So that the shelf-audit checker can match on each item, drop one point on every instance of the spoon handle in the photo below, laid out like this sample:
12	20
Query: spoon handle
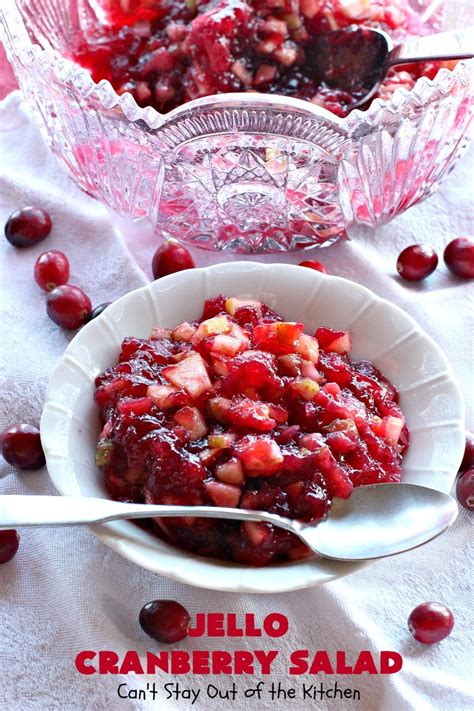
454	44
17	510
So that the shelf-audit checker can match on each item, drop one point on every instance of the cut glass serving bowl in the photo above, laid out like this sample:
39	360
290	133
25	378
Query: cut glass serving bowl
246	172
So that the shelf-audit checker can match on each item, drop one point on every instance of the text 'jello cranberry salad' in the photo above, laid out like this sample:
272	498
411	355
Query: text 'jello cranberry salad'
168	52
243	409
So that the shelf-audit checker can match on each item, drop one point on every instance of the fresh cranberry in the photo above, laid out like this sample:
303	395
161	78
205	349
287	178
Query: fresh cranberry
459	257
21	447
417	262
165	620
318	266
465	489
27	227
169	258
51	270
430	622
9	543
98	310
68	306
468	458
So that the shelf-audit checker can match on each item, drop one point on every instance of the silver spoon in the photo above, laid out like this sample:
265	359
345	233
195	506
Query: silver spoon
376	521
356	59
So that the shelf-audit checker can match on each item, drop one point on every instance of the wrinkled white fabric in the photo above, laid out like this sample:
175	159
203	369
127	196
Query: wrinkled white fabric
66	591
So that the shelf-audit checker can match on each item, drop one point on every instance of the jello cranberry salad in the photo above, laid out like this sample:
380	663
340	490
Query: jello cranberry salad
244	409
168	52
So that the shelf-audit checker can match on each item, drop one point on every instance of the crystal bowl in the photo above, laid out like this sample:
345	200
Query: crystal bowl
243	172
381	332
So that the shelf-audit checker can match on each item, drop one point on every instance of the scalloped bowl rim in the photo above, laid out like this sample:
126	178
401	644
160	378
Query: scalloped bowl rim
142	547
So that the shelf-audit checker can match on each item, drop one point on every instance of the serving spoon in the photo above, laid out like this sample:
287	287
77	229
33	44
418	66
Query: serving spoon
356	59
376	521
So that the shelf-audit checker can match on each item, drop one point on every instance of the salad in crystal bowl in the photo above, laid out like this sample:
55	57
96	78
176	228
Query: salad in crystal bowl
208	117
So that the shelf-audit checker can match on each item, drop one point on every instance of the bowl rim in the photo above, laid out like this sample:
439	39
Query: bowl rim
192	569
423	91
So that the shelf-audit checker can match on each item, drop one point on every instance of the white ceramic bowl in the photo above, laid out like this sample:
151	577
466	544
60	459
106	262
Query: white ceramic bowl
382	333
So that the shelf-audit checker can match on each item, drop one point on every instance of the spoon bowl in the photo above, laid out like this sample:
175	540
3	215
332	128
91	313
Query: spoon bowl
376	521
353	60
356	59
381	520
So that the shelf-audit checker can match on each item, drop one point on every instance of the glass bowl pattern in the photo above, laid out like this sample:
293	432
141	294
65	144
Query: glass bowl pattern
243	172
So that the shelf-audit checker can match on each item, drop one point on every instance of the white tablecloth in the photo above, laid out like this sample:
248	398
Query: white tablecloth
65	591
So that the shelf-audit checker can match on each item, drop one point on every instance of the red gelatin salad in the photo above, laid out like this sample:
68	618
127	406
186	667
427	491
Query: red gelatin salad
243	409
169	52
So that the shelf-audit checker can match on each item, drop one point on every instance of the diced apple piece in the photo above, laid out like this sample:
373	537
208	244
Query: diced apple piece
355	9
356	409
288	434
251	414
178	357
223	494
348	425
259	455
224	440
208	456
300	552
305	388
189	374
290	364
312	441
219	407
158	333
279	337
163	395
184	332
335	341
274	25
220	364
339	407
278	413
256	532
239	70
232	305
310	8
231	472
211	327
390	428
341	442
338	482
332	389
108	427
341	345
240	333
192	420
256	356
135	406
264	75
309	370
228	345
308	347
